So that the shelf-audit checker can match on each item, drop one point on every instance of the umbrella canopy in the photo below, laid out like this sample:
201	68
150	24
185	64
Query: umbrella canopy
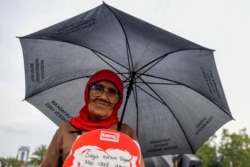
174	97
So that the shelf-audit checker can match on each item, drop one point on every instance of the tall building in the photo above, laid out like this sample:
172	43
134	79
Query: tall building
23	153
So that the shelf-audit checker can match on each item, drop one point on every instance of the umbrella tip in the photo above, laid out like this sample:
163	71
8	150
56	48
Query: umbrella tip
104	3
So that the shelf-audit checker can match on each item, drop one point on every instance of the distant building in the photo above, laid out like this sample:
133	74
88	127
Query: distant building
23	153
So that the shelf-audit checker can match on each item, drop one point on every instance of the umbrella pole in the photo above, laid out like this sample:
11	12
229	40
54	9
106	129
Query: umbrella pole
130	87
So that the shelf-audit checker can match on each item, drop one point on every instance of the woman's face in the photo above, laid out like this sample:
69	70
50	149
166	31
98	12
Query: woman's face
103	97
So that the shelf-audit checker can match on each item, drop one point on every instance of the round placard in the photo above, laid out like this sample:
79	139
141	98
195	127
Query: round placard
104	148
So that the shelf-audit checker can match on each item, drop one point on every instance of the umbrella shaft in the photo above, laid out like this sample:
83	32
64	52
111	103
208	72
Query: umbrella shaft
130	87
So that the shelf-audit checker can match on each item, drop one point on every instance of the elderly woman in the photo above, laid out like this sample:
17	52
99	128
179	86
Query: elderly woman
103	97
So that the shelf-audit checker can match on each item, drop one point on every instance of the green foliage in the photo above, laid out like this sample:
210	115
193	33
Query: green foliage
232	150
35	159
11	161
37	155
208	154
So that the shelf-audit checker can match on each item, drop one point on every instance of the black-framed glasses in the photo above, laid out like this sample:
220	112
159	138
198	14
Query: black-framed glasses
97	90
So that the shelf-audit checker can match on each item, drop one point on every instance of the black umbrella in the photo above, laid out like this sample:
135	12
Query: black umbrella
175	100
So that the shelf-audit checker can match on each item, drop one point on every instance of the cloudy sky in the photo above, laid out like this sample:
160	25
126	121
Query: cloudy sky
221	25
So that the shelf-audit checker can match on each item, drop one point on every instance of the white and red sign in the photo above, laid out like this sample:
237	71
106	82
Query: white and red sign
104	148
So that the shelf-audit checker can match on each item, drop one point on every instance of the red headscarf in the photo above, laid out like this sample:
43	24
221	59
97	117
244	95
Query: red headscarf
86	121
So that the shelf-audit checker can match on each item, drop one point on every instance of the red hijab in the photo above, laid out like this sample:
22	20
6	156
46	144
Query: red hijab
85	120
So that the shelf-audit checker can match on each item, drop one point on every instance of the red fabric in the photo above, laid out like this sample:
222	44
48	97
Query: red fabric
86	121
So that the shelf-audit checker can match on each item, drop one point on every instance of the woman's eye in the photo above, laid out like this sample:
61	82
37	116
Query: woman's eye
112	91
99	88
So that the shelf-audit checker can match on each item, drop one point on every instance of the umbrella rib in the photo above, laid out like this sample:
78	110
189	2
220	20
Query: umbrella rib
87	76
157	60
130	66
130	60
98	55
163	102
38	92
178	83
95	52
160	99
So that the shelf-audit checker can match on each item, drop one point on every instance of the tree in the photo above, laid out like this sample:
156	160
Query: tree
233	150
208	153
11	161
38	154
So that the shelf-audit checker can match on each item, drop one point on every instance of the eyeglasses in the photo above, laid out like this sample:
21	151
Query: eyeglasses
98	90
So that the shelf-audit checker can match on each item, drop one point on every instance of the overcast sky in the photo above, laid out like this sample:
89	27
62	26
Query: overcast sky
222	25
